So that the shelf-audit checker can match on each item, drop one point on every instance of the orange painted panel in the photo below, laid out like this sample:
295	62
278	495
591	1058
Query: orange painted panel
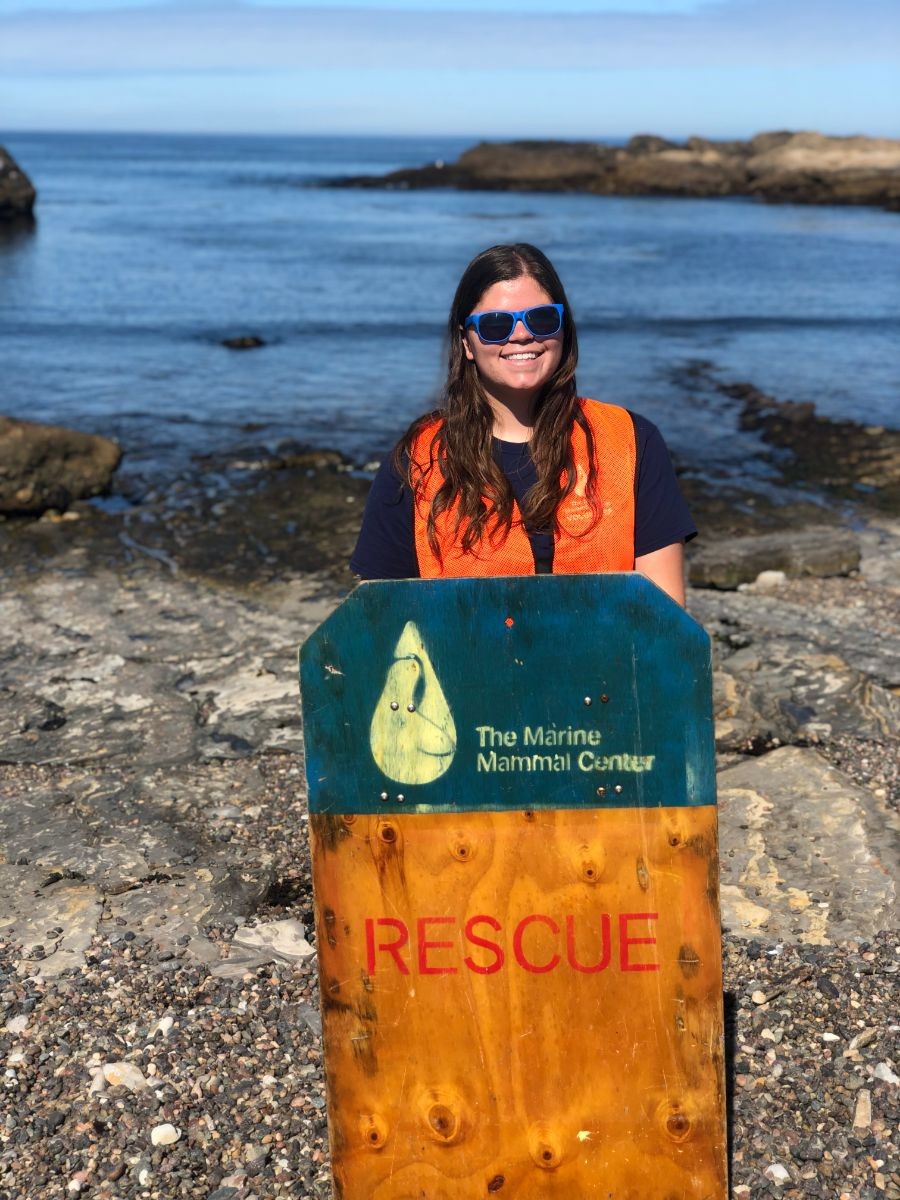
521	1004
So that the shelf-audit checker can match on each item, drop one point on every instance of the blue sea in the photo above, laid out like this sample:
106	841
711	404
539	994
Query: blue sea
149	250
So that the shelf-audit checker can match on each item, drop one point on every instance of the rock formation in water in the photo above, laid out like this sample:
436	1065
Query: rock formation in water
803	168
17	193
48	466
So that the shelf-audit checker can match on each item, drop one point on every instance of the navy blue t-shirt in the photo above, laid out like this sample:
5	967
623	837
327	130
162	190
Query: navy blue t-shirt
386	546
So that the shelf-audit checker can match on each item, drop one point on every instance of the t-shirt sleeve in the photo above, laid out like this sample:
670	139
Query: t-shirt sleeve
661	516
386	546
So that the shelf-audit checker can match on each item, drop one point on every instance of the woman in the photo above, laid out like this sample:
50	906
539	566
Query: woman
515	474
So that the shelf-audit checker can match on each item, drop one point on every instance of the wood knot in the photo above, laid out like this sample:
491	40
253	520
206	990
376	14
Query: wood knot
643	875
349	818
441	1109
543	1153
589	862
373	1130
676	1122
678	1126
461	848
528	815
443	1122
496	1183
689	961
547	1158
388	834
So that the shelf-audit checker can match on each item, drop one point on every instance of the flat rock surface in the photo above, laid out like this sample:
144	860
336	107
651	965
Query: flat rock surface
820	550
805	854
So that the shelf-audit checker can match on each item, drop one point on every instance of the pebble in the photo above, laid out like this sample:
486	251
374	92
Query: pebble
862	1116
886	1075
164	1135
164	1026
778	1174
17	1024
768	581
242	1061
124	1074
862	1039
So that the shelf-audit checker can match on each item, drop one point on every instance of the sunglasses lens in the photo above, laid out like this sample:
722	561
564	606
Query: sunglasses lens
495	326
544	321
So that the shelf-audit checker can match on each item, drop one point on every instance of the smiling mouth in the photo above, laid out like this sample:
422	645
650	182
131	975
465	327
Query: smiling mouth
525	356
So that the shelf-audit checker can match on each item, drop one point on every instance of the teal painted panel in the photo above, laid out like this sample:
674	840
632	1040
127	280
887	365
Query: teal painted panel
555	691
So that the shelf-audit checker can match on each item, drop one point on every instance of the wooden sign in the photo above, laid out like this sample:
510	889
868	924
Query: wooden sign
512	808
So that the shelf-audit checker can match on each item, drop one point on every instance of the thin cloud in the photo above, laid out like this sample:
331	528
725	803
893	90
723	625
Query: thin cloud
240	37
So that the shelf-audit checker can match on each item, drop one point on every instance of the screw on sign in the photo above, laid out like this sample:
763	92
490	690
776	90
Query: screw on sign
514	844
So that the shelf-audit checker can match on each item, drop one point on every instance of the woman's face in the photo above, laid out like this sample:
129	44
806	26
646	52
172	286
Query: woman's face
523	364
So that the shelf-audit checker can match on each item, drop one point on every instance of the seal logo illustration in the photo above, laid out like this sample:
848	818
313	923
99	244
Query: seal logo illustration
412	735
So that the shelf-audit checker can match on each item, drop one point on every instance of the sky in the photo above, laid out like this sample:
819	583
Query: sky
499	68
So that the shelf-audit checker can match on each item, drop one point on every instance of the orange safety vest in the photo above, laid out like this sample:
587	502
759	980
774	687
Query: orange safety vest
580	546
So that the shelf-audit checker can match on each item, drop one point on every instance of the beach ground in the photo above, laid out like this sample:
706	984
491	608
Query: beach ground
154	815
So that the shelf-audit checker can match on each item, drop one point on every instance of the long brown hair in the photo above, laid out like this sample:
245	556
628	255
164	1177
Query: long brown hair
461	445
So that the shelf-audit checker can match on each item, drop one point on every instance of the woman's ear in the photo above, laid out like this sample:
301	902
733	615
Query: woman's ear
467	349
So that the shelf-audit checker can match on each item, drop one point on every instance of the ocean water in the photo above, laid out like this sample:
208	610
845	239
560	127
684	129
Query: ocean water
149	250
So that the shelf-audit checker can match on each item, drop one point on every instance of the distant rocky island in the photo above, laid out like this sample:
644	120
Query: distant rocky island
17	193
798	168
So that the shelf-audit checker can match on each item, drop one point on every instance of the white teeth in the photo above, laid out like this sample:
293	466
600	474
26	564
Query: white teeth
520	357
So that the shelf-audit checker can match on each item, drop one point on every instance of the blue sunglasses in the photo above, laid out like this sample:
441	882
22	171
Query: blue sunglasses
495	328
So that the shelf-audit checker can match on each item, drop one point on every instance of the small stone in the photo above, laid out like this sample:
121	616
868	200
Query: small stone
164	1135
830	1037
769	581
862	1039
276	939
235	1180
778	1174
862	1117
17	1024
758	997
884	1073
164	1026
124	1074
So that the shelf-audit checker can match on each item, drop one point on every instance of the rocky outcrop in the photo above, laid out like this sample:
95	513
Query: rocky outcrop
134	746
820	550
803	856
806	168
17	193
48	466
849	460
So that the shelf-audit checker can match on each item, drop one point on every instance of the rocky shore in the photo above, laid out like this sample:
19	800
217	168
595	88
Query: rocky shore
158	999
799	168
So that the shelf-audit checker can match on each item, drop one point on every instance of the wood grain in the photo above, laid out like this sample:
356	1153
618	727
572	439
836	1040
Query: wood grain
542	1050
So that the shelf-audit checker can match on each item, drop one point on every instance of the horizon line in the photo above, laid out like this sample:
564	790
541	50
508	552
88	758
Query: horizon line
477	137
